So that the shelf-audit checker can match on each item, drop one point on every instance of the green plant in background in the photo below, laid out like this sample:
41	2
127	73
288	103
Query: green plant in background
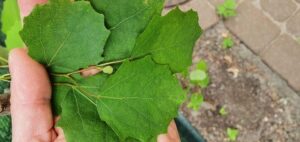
11	24
232	134
227	9
5	121
223	111
5	129
227	42
196	101
199	76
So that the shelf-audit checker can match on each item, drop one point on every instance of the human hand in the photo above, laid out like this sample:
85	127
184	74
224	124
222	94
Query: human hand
32	119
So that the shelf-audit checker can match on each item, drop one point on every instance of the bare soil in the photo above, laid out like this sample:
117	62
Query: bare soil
259	103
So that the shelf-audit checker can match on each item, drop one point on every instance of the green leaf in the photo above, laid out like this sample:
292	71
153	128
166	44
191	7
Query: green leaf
4	72
108	69
63	85
223	111
126	20
3	56
5	129
61	39
232	134
204	83
196	101
202	65
227	42
136	96
58	96
227	9
127	105
11	24
198	75
170	39
80	121
4	83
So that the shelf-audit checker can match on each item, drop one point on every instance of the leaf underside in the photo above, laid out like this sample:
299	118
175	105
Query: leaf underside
144	49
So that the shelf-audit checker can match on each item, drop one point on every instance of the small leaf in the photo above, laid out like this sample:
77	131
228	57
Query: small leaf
198	75
223	111
108	69
196	101
202	65
227	42
204	83
232	134
227	9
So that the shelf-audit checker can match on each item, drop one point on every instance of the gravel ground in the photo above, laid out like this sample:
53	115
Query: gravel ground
259	103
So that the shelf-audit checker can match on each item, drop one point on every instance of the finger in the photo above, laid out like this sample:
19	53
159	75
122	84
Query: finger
60	135
59	131
26	6
171	136
173	132
163	138
30	99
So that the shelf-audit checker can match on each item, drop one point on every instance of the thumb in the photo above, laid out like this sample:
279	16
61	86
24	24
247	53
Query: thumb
30	99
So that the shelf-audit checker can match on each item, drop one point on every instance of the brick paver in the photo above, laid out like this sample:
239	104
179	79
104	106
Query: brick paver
267	27
283	56
173	2
216	2
253	27
206	12
293	25
280	10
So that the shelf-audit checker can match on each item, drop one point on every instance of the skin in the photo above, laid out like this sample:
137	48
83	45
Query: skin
32	119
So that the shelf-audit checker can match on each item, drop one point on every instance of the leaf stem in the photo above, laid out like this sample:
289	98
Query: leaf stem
99	67
3	59
113	62
5	77
3	66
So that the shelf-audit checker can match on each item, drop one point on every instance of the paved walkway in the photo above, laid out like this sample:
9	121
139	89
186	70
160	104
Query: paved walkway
270	28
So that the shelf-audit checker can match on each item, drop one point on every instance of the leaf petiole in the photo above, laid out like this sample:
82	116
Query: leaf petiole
3	66
3	59
113	62
5	77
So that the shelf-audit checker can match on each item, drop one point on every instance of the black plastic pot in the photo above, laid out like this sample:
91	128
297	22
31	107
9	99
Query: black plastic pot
186	131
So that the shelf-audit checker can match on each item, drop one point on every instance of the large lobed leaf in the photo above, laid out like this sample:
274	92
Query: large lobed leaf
57	35
128	104
126	19
170	39
132	100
